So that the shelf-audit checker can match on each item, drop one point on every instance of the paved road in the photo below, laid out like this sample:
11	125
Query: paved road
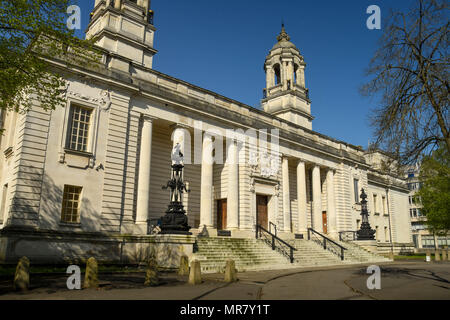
399	280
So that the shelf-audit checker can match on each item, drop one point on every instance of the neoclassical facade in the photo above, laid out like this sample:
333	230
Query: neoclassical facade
87	178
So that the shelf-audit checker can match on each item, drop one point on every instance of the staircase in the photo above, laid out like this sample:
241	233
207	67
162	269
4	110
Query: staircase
256	255
310	254
248	254
357	254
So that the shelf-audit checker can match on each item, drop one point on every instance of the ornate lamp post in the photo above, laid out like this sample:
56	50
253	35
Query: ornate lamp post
175	221
365	232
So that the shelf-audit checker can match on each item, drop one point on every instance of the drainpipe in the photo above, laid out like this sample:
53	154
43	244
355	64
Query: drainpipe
389	215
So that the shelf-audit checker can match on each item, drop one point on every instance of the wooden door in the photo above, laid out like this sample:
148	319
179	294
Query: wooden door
221	214
325	222
261	213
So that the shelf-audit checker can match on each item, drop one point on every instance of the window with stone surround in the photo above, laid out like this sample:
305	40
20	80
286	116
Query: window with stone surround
70	212
79	126
375	204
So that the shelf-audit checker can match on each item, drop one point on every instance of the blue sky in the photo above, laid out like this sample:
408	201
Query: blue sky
221	46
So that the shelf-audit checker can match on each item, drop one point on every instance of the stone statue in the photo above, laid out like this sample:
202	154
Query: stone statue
177	156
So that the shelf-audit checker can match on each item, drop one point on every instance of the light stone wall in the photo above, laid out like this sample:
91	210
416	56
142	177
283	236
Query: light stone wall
109	193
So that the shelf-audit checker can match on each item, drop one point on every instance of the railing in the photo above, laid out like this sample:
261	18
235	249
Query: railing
275	242
326	243
347	236
274	226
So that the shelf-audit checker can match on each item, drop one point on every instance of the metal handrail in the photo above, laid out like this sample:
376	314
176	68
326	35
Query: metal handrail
349	235
274	226
260	232
323	241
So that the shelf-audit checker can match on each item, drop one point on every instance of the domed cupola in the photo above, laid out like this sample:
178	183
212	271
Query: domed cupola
286	95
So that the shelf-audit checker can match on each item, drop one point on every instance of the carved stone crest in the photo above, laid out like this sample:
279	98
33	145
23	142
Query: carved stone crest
264	164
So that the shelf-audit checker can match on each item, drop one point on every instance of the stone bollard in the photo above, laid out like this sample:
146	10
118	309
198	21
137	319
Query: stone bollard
152	276
183	270
195	274
22	276
230	271
437	256
428	257
91	275
444	254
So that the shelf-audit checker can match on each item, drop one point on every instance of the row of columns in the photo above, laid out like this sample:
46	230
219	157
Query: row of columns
317	219
206	191
206	197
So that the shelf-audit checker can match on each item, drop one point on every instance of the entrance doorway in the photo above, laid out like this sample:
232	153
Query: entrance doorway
221	214
324	222
261	211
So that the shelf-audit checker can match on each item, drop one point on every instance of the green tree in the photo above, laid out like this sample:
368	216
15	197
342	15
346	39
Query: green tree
435	191
409	73
31	33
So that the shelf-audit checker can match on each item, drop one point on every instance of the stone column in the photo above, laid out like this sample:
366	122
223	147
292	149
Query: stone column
143	192
317	200
301	198
118	4
206	205
268	78
286	196
233	187
332	223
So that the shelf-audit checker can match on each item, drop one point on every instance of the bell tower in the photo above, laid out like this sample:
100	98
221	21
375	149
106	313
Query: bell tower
124	27
285	94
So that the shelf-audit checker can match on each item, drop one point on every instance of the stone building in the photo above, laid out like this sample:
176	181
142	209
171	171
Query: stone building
86	179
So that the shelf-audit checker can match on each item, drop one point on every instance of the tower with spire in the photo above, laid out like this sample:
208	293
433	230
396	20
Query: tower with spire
125	28
285	94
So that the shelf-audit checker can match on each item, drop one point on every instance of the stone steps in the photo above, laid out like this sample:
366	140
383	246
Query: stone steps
255	255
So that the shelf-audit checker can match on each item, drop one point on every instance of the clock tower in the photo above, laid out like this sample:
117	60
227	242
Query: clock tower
125	28
285	94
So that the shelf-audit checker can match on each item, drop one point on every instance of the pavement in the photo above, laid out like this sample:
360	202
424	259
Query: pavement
405	280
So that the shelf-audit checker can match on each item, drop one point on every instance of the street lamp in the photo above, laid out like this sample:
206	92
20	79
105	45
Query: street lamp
175	221
365	232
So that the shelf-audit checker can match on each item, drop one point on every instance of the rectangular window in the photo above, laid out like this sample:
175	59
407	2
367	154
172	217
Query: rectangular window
78	134
375	205
386	235
70	212
383	199
356	190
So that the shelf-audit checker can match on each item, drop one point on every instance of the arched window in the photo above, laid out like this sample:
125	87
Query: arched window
276	69
295	73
